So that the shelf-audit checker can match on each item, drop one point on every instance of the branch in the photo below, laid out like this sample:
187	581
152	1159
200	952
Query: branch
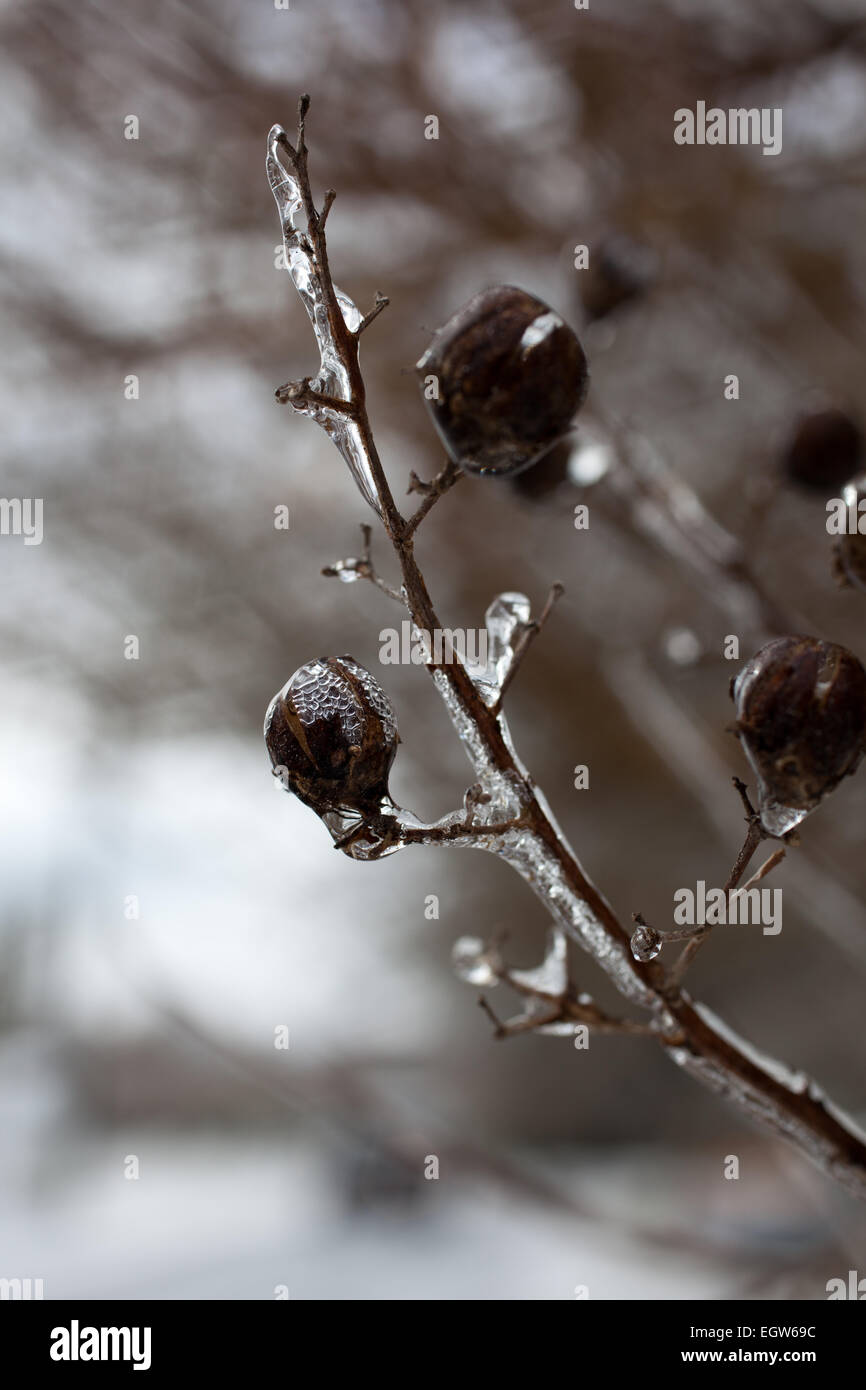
444	480
362	568
666	512
789	1106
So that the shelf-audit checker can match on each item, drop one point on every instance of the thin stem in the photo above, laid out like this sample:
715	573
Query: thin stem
382	302
767	867
525	640
755	834
301	394
364	568
444	480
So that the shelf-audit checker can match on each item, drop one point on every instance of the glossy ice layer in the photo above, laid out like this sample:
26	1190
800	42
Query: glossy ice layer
332	379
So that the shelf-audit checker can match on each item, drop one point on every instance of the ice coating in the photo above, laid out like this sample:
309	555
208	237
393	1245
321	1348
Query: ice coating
471	963
779	819
551	976
536	862
764	1107
505	621
318	694
375	694
332	378
646	943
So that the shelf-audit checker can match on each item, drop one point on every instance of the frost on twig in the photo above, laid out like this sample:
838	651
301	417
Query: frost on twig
551	1004
327	398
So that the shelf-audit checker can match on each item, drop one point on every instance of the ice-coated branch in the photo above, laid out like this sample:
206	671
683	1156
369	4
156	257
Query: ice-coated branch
505	813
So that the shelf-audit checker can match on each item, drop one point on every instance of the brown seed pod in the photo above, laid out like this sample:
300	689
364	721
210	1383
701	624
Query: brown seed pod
510	376
825	451
801	718
332	735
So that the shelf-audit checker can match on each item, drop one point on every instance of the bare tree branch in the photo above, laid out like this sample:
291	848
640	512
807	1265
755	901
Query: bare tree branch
519	827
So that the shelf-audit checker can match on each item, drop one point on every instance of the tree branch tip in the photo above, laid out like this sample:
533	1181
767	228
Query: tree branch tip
285	143
417	484
382	302
499	1031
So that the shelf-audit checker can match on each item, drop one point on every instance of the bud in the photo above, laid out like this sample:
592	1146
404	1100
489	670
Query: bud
825	451
801	718
333	730
849	561
512	376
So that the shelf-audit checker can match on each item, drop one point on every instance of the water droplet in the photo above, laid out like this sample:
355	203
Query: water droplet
778	819
645	943
471	962
346	571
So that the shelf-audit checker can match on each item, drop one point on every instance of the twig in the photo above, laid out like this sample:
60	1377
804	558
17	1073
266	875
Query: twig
382	302
665	510
363	567
755	834
525	640
767	867
444	480
301	394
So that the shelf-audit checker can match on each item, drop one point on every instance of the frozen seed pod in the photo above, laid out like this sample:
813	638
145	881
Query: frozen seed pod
332	734
646	942
503	379
825	451
801	718
850	549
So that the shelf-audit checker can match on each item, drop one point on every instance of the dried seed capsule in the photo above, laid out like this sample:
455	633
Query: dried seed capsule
332	734
801	718
825	451
509	378
849	561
